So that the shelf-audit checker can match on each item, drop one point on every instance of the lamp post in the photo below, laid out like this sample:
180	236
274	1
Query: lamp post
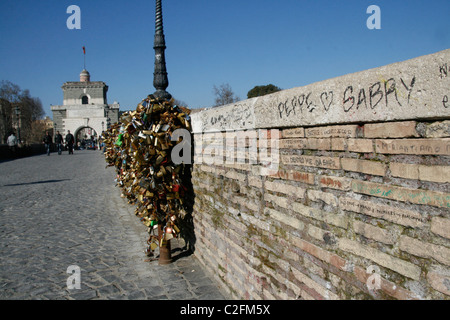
160	80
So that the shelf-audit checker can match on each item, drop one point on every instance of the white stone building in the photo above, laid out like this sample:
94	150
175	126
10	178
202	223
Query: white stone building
85	109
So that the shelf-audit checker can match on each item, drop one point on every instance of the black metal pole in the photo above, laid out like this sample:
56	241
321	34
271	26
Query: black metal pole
160	80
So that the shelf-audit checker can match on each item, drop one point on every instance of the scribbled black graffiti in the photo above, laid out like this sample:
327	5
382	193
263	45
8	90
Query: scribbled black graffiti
309	104
411	86
443	71
361	98
327	99
286	109
239	114
445	101
390	89
373	94
296	105
387	89
348	99
291	106
386	92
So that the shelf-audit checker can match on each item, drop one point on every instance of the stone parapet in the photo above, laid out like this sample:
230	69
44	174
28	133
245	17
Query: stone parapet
413	89
355	203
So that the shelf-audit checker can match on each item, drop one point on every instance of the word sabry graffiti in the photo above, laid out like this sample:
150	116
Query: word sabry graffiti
386	93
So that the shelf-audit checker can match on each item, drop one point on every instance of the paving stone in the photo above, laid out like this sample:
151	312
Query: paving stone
52	218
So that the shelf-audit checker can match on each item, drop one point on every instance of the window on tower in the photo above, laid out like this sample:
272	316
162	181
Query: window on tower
84	100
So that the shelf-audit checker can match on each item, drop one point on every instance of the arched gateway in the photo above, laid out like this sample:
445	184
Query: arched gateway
85	135
84	106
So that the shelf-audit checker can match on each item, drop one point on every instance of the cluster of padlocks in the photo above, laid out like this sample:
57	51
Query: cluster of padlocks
140	147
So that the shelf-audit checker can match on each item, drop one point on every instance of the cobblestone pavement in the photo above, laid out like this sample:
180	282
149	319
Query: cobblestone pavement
59	211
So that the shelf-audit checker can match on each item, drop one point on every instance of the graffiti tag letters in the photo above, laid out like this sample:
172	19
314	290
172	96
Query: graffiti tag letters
387	93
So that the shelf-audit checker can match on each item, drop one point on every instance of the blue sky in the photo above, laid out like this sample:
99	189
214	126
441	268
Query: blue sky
244	43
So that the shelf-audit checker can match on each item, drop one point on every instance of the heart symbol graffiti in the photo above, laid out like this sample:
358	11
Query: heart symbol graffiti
327	99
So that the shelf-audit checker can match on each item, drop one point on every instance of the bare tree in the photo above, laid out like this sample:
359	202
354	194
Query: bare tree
224	95
5	119
180	103
29	108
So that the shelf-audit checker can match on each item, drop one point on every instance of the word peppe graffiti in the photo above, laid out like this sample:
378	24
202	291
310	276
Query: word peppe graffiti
387	91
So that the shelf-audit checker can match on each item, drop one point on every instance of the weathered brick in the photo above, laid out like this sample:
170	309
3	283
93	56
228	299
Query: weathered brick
372	232
327	294
420	172
248	203
231	174
206	168
389	213
360	145
279	201
387	286
338	144
438	129
317	233
413	146
439	279
311	161
332	218
363	166
326	197
344	131
284	218
425	249
294	175
319	253
255	181
427	197
269	134
391	130
441	226
340	183
277	186
291	133
306	143
258	170
263	225
238	166
268	296
434	173
401	266
403	170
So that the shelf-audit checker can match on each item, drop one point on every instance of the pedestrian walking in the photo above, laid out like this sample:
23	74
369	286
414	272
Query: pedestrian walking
70	140
48	142
12	144
58	141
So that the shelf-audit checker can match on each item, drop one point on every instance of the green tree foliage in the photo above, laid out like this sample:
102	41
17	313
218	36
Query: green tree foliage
258	91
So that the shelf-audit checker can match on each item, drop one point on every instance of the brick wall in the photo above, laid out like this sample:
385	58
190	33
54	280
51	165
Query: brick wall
355	210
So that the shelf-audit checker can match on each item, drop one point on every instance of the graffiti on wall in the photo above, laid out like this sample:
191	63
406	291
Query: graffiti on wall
386	93
241	115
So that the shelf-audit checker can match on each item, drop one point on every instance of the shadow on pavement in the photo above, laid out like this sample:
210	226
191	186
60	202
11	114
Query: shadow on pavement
35	182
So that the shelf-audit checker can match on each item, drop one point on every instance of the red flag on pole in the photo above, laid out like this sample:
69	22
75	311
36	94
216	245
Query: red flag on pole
84	50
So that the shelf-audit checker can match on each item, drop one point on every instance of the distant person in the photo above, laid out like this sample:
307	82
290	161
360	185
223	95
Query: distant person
70	140
48	142
58	141
12	144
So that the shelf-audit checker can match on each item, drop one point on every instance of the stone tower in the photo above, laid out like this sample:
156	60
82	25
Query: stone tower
85	106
